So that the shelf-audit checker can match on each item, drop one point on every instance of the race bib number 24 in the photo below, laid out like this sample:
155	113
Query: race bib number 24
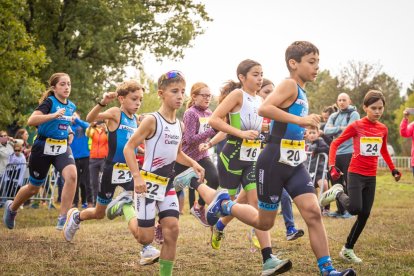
370	146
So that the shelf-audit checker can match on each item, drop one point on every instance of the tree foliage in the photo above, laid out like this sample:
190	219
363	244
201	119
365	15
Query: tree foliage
323	92
20	61
92	40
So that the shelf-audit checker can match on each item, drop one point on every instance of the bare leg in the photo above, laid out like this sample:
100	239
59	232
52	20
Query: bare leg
69	188
24	194
97	212
309	209
170	232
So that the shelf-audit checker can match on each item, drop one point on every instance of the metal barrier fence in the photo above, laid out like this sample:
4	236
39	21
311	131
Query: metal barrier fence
320	157
401	162
17	175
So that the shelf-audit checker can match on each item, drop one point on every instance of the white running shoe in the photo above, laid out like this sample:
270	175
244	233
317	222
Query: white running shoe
330	195
149	255
70	227
349	255
183	180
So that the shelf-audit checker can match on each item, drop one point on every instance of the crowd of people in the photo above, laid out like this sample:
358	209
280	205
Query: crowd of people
266	136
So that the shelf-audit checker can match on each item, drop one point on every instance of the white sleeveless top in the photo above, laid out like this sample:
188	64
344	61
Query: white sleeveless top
247	118
161	149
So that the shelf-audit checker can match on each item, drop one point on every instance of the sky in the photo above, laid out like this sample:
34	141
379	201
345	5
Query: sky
374	32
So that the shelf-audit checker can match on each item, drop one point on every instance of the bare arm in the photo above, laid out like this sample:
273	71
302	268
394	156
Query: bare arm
38	118
95	113
283	96
146	129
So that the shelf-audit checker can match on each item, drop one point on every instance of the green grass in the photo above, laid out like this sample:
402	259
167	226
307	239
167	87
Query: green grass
106	247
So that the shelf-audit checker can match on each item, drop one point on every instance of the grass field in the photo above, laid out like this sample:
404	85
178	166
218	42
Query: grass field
105	247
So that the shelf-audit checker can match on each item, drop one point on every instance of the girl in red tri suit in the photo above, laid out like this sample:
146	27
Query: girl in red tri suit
370	140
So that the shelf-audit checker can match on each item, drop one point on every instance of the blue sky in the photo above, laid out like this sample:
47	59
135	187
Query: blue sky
369	31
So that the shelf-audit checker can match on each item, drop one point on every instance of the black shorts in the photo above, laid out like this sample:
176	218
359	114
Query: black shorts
39	163
232	171
272	176
107	188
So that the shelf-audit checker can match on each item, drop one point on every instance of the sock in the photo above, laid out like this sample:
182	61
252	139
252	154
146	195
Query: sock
76	217
194	183
266	253
129	212
226	207
219	225
325	264
166	267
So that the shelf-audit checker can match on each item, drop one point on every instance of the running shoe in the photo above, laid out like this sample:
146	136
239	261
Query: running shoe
346	272
199	213
330	195
9	216
216	237
349	255
292	233
214	210
253	238
72	224
274	266
60	223
149	255
183	180
158	237
114	208
346	215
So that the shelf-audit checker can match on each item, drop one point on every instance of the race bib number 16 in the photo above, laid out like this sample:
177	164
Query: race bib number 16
292	152
370	146
250	150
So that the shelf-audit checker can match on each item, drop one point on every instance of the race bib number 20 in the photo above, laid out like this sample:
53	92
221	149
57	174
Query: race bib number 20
292	152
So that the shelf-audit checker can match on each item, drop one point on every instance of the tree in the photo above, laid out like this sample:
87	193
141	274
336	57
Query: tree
323	92
94	40
20	61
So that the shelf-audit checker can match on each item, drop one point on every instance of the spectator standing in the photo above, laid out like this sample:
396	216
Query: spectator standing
6	149
407	131
80	151
336	124
22	136
97	133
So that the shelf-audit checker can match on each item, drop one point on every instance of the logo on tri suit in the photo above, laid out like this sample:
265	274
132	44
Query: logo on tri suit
173	204
274	198
108	195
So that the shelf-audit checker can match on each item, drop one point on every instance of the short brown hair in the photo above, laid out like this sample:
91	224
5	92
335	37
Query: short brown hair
297	50
127	87
170	77
373	96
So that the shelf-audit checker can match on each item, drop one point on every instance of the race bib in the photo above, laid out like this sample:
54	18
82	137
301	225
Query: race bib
250	150
55	147
121	174
370	146
156	185
204	126
292	152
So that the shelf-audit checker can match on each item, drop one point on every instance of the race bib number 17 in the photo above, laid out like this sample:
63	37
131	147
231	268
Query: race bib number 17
156	185
292	152
55	147
370	146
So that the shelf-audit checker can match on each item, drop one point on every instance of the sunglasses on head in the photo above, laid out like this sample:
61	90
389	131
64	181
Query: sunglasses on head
172	75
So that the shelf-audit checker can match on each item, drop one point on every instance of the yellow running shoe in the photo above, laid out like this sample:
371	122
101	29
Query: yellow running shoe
216	237
253	239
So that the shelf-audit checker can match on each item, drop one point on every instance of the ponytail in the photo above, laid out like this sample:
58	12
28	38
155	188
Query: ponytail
227	88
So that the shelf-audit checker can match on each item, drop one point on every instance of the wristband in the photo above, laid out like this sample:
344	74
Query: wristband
71	133
100	104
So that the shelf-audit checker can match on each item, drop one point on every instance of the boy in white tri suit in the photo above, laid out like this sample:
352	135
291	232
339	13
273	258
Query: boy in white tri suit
161	132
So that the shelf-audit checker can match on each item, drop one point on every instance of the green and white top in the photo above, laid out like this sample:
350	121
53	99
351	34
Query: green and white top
247	118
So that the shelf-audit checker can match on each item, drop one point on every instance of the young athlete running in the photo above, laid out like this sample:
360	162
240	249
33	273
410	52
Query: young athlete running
237	116
369	140
197	132
280	163
121	122
52	118
162	134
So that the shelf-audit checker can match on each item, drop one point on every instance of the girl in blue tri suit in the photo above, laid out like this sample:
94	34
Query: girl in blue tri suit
52	118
